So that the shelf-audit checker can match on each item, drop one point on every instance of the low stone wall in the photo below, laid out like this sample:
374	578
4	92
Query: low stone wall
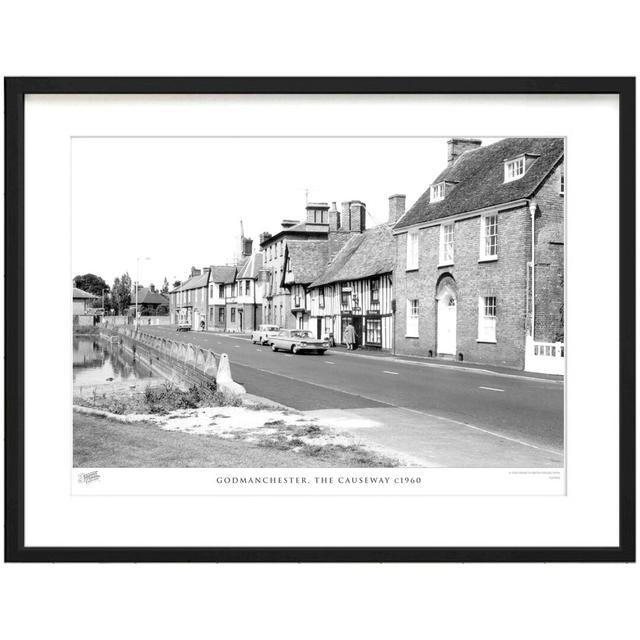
190	362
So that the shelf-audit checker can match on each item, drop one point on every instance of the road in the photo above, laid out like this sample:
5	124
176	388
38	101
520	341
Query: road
516	407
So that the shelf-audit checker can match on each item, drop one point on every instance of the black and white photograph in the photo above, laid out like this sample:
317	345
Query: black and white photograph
318	301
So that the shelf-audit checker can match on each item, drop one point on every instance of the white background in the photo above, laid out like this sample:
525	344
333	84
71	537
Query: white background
319	601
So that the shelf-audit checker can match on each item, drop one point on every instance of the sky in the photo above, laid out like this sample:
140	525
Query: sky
179	201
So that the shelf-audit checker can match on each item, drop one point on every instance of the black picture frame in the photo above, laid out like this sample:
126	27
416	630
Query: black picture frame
15	91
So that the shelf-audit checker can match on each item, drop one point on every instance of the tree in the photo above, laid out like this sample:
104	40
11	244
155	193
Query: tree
96	285
91	283
165	287
121	293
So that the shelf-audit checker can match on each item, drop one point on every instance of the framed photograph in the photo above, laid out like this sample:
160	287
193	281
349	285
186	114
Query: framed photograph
320	319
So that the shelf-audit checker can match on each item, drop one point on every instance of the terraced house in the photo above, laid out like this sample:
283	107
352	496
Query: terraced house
276	296
480	257
356	285
220	277
249	293
189	300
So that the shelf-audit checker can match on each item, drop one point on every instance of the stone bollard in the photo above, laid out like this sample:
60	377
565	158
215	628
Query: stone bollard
225	382
210	367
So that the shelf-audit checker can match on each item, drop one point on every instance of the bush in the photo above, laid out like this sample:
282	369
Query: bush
169	397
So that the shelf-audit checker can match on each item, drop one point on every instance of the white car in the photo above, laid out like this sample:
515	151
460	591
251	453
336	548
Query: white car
298	341
265	333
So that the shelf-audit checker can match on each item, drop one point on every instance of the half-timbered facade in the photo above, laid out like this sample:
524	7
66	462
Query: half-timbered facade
357	288
276	301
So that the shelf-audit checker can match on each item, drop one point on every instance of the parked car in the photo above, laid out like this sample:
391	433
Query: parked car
265	333
298	340
184	326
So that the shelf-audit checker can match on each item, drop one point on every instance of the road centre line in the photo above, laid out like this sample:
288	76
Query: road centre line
328	362
422	413
426	364
491	389
392	373
439	365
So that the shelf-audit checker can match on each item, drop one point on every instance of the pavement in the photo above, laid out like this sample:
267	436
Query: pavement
429	412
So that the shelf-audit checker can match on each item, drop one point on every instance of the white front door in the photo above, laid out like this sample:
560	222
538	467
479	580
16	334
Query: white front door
447	323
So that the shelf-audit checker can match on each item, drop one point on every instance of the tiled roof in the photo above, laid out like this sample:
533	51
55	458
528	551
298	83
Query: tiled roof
250	267
223	274
146	296
79	294
300	228
195	282
307	258
479	175
365	254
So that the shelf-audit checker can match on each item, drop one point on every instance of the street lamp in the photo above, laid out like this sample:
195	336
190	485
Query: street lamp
137	283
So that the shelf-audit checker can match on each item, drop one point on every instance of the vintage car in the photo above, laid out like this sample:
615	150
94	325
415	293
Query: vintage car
184	326
298	340
264	333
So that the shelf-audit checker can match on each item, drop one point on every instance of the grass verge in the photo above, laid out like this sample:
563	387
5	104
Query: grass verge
103	442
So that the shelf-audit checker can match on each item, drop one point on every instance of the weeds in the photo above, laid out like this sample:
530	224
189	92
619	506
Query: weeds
351	455
161	399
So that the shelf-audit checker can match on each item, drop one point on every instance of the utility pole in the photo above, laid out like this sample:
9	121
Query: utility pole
137	283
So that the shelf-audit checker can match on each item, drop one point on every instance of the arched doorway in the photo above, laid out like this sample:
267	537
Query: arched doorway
447	299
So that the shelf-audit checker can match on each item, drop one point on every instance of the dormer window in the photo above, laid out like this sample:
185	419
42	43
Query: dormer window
437	192
514	169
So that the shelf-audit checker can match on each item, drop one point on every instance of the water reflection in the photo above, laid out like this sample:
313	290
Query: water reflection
95	362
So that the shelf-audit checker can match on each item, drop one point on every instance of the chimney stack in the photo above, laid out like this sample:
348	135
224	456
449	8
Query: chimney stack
457	146
358	216
334	217
195	272
397	203
247	247
264	236
345	218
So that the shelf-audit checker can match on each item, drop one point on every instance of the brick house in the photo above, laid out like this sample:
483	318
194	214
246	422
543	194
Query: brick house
219	277
356	285
82	300
235	298
249	294
189	301
150	302
276	302
463	278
